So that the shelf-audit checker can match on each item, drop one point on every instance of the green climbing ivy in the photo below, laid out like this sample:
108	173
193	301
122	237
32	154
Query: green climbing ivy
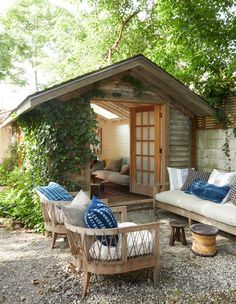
57	140
135	83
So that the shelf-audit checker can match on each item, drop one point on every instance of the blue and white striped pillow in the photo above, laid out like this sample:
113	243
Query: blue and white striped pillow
208	191
99	215
54	192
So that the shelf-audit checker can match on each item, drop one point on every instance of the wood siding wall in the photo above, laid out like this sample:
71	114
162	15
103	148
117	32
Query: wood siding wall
5	141
180	139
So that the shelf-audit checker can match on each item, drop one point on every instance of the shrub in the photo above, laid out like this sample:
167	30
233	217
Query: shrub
8	164
19	201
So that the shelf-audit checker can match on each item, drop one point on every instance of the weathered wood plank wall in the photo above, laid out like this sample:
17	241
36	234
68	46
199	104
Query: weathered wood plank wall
180	142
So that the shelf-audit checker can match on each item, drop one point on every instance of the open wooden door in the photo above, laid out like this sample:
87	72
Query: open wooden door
148	148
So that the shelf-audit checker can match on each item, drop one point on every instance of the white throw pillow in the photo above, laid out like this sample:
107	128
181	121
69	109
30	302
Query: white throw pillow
177	177
221	179
74	213
81	200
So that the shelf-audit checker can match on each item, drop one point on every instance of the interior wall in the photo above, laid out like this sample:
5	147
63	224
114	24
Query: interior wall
115	139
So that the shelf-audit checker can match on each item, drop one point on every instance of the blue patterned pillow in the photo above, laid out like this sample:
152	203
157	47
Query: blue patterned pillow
207	191
99	215
54	192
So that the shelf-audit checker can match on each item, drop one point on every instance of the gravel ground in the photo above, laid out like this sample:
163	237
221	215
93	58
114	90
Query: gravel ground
32	273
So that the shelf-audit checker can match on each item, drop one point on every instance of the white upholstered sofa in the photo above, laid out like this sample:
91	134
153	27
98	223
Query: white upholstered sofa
222	216
200	206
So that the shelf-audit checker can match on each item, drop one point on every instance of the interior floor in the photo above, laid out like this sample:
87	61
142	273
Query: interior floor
118	195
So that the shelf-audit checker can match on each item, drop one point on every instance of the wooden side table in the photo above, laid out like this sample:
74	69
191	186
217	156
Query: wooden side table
204	240
177	232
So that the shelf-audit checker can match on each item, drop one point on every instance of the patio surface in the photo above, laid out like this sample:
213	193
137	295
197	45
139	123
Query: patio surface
30	272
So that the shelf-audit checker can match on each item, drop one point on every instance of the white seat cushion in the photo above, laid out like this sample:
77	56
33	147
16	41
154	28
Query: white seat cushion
138	243
224	213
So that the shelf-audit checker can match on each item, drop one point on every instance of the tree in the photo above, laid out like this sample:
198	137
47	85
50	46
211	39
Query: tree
193	40
8	51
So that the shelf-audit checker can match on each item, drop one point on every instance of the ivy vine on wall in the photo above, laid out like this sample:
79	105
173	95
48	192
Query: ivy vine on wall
58	139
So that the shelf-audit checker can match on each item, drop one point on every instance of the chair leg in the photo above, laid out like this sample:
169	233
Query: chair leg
46	233
156	274
54	237
87	276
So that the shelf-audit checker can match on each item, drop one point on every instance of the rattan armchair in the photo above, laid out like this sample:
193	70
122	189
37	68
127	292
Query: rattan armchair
113	251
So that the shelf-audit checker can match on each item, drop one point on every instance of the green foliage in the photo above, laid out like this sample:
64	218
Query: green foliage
221	118
58	139
192	40
19	200
8	164
136	83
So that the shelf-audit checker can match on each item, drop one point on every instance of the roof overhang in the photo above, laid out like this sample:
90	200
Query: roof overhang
175	88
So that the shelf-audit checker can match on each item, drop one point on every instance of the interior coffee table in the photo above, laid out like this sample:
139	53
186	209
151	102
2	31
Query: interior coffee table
204	239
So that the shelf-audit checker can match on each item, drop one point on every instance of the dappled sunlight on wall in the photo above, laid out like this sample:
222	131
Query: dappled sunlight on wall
115	139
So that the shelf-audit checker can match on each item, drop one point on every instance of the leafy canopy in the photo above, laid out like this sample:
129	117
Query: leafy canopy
193	40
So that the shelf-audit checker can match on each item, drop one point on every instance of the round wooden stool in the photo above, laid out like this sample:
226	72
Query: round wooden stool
177	232
204	239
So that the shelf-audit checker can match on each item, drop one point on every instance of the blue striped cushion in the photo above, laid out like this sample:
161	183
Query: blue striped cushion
99	215
54	192
207	191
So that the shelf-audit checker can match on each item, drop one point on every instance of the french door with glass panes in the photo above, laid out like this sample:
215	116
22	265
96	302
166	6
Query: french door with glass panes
148	148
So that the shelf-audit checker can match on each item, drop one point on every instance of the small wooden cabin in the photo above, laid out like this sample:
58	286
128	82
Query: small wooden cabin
161	111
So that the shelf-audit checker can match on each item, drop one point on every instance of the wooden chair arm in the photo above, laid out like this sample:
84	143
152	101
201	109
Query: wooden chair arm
122	211
111	231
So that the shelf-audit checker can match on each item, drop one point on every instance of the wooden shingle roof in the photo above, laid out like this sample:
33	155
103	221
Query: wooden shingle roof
141	65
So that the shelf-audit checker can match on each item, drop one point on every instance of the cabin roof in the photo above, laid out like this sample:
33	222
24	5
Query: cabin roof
170	84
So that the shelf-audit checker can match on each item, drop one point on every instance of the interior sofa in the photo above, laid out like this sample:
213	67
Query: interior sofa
221	215
114	176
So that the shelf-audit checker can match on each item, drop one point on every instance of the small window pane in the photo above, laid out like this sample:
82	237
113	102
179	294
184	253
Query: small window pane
151	148
145	163
151	117
145	148
152	163
151	133
145	178
145	118
138	118
138	147
138	133
138	177
138	162
145	133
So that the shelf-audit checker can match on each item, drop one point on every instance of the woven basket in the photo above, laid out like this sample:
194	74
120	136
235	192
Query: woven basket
204	245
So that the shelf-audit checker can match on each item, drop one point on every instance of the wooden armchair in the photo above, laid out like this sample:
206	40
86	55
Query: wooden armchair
53	218
118	250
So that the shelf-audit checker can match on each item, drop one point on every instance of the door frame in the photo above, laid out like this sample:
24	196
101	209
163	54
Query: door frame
160	147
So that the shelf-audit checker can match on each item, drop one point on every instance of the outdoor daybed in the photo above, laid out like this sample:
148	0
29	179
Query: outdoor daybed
116	171
220	215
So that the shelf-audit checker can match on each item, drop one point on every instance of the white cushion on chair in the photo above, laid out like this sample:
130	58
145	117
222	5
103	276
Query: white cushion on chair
138	243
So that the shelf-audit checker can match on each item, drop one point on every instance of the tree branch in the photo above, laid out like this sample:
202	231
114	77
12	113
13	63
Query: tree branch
114	47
